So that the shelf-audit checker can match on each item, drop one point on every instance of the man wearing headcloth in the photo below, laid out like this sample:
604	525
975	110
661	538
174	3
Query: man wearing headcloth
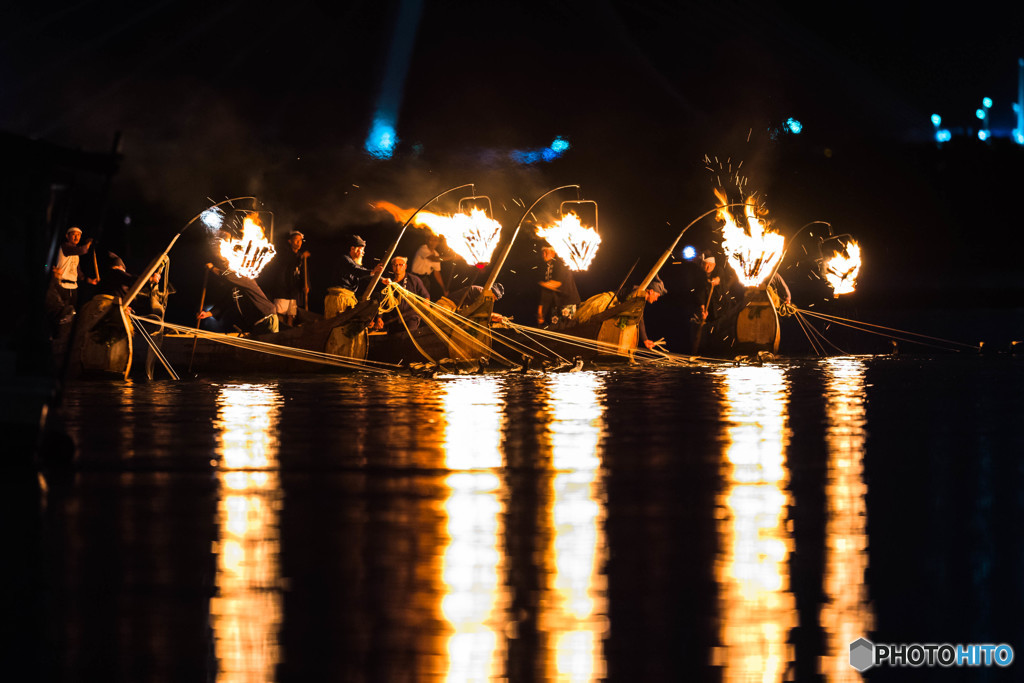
285	278
116	280
559	296
63	289
655	290
412	283
351	277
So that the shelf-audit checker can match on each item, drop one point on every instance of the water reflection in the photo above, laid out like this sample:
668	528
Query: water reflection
473	562
246	612
576	616
756	607
846	614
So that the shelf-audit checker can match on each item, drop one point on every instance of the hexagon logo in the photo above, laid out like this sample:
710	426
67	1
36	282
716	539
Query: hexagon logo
862	654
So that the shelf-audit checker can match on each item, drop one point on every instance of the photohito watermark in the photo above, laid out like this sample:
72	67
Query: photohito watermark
864	654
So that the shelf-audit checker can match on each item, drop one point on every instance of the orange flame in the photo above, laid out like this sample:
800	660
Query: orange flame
398	213
841	270
574	243
753	251
472	236
248	255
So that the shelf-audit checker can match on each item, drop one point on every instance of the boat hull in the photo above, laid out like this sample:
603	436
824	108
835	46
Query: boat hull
343	335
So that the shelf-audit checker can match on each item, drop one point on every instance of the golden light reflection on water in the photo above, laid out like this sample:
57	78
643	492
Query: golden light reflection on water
246	613
846	614
473	561
756	606
576	618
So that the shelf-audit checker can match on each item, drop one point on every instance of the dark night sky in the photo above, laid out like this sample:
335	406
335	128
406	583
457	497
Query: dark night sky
233	98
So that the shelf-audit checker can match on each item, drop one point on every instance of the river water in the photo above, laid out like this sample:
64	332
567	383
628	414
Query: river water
727	522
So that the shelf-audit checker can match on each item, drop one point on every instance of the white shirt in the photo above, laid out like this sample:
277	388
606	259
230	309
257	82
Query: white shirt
67	269
422	264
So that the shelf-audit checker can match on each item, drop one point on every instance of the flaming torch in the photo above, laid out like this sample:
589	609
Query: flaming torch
574	243
842	269
249	254
753	251
474	236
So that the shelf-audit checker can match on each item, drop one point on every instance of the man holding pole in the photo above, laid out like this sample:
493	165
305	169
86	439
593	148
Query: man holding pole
286	278
67	273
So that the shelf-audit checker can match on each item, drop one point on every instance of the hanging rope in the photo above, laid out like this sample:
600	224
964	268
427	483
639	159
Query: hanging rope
883	331
319	357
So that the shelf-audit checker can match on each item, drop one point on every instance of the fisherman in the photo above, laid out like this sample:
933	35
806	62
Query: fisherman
62	293
408	281
559	296
714	298
655	290
426	265
352	276
244	299
285	278
116	280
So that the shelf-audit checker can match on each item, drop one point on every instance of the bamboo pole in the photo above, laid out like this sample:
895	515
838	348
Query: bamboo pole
493	276
394	245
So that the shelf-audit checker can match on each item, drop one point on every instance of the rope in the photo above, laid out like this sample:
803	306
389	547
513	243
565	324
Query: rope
433	315
320	357
867	328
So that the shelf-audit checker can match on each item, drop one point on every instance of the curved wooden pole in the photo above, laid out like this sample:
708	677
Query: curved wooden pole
394	245
668	252
493	276
155	263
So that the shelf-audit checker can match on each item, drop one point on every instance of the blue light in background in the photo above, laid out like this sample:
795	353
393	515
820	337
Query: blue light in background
980	114
689	252
794	126
1018	137
987	103
943	135
532	156
381	141
936	120
983	135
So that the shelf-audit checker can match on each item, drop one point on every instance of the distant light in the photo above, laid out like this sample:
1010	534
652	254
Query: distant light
794	126
212	218
525	157
1016	107
987	103
936	120
943	135
983	135
689	252
381	141
980	114
532	156
1018	136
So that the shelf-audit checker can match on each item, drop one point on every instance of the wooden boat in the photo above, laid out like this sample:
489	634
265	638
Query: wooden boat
752	330
612	324
467	341
345	335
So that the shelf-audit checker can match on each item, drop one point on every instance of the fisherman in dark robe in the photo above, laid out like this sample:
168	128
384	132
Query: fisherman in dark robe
283	278
412	283
559	296
115	280
242	300
655	290
351	278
